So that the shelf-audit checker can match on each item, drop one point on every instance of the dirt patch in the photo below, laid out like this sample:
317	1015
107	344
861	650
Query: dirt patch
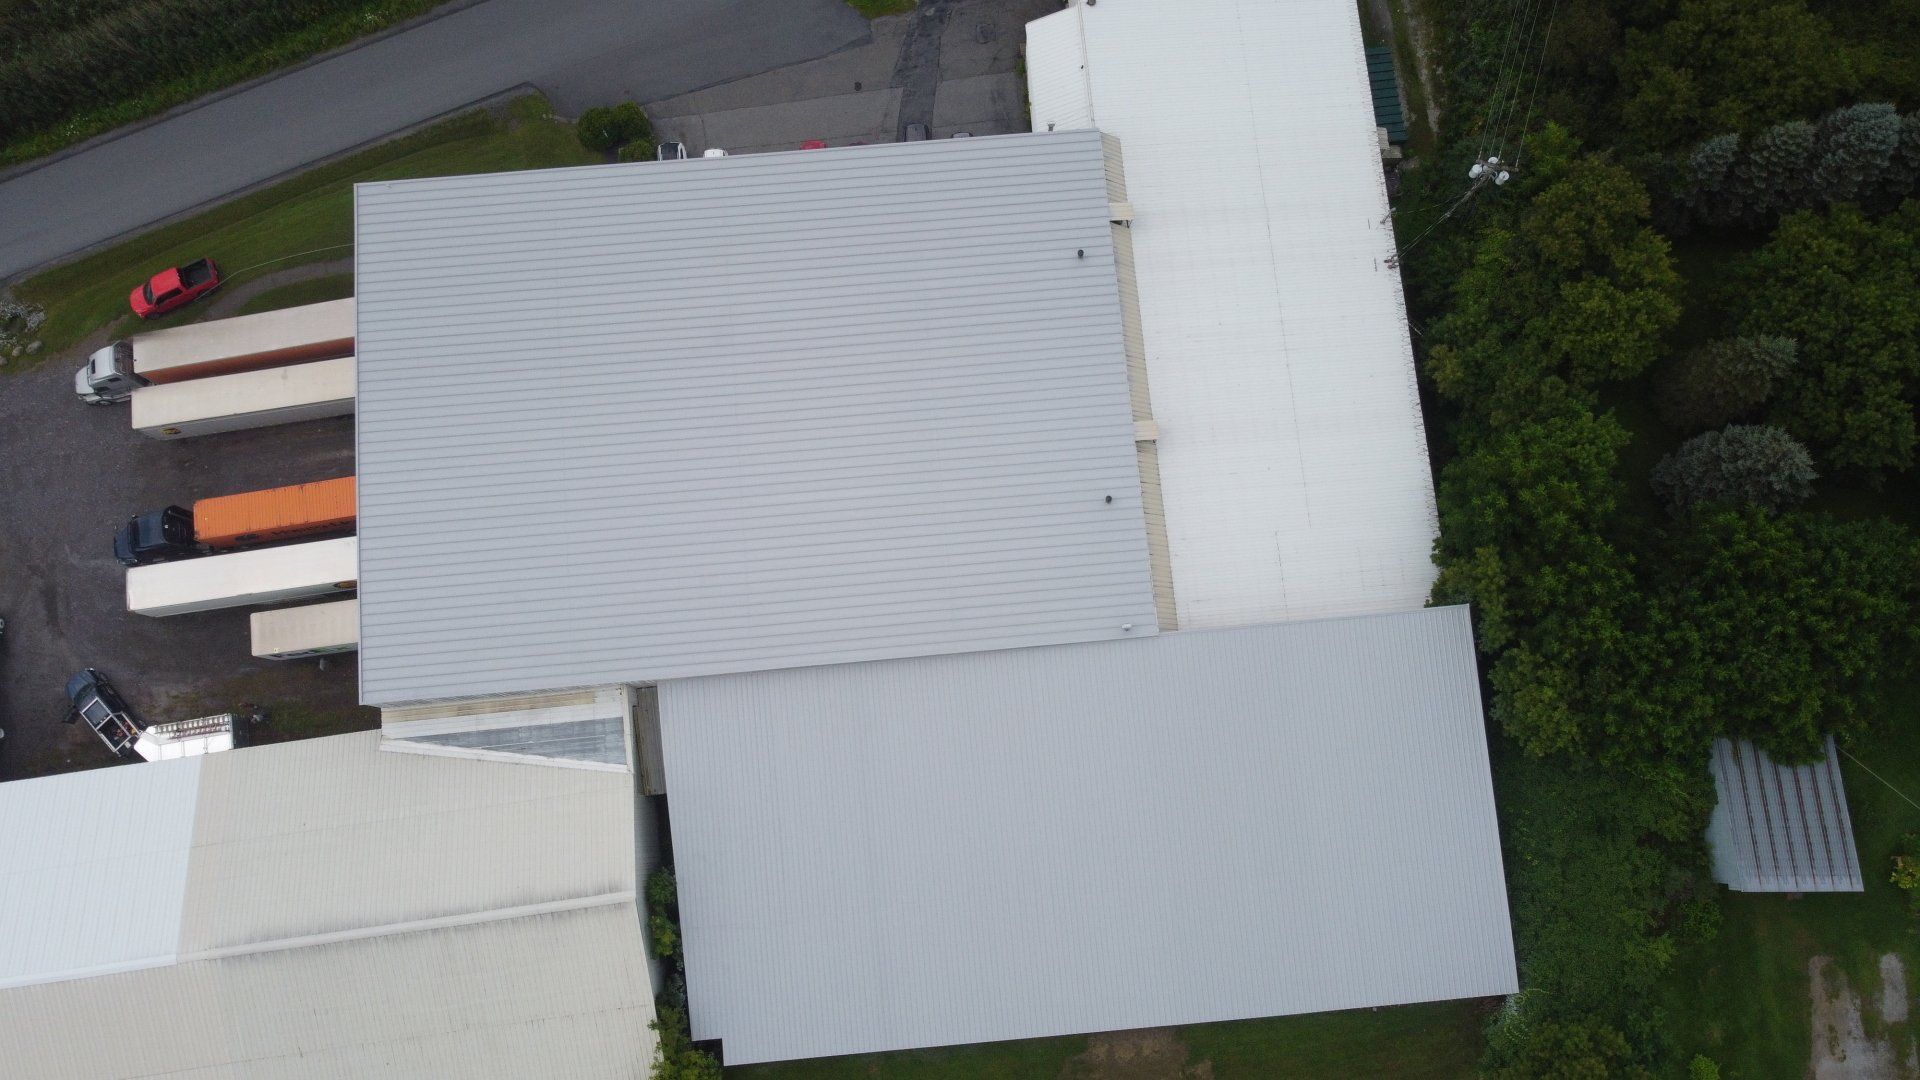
1146	1054
1842	1049
1893	989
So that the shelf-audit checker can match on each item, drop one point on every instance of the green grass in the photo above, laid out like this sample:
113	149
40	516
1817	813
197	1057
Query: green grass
332	32
1743	999
293	294
1438	1041
874	9
1441	1040
308	218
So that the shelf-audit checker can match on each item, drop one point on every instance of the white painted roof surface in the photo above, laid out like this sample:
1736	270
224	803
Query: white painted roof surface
322	909
1292	454
749	412
556	995
1780	828
1199	826
93	866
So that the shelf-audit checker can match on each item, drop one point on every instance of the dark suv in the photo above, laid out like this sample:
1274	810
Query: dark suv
101	707
156	536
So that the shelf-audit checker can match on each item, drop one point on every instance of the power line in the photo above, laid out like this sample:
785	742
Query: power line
1546	42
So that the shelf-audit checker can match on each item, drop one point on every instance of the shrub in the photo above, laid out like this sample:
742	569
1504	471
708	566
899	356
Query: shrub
678	1058
1722	381
605	128
1702	1068
1906	871
637	150
1757	465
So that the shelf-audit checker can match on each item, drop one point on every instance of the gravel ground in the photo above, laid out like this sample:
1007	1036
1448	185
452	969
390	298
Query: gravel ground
75	472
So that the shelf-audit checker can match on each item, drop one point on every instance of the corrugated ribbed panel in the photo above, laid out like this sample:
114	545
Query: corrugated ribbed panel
555	995
633	422
92	866
329	835
1204	825
1780	828
1292	449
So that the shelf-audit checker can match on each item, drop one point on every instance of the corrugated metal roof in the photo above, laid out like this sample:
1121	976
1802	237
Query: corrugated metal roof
1780	828
1292	453
632	422
1204	825
559	995
92	867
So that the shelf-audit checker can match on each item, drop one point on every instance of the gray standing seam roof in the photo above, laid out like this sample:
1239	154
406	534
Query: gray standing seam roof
1199	826
1780	828
631	422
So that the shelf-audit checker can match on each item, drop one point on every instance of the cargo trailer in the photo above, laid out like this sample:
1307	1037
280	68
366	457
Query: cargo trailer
245	578
295	335
251	399
313	630
249	519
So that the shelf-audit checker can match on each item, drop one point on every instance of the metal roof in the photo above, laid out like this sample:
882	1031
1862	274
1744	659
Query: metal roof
1780	828
93	866
1292	452
322	908
560	994
1203	825
631	422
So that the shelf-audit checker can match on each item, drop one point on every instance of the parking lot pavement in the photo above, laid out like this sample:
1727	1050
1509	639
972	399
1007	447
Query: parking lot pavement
74	473
952	65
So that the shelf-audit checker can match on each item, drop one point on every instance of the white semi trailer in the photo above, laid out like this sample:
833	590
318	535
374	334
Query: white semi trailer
245	578
296	633
294	335
249	399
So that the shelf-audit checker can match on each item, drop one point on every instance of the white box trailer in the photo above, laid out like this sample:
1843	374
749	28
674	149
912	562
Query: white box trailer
250	399
245	578
187	738
296	633
292	335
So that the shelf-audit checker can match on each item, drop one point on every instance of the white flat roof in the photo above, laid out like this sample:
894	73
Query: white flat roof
1198	826
740	413
1293	460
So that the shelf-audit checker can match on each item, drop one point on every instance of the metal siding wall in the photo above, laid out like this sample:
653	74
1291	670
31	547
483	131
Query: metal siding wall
1194	827
850	403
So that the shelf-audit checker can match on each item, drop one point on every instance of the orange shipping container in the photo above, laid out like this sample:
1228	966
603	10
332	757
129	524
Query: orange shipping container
285	513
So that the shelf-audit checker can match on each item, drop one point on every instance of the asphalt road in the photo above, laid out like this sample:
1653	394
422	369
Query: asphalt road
581	52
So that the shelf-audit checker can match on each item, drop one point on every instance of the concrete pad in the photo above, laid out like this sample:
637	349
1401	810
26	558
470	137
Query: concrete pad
983	105
870	116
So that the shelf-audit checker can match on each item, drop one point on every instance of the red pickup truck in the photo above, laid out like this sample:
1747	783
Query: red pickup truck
172	289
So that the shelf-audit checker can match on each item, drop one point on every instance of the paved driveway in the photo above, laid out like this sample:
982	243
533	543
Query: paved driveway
582	52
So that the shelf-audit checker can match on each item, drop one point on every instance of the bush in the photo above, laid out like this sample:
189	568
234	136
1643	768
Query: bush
1906	871
1721	381
638	150
605	128
1757	465
678	1058
1702	1067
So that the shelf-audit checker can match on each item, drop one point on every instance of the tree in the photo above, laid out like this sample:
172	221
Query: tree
1799	621
1580	291
1721	381
1842	286
1749	465
1729	65
1573	1050
1854	152
606	128
1704	187
1775	173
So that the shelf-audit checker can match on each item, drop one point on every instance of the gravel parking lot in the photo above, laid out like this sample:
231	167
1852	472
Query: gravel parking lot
74	473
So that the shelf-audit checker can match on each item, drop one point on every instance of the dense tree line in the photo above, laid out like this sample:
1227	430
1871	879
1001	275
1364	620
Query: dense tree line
1620	642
